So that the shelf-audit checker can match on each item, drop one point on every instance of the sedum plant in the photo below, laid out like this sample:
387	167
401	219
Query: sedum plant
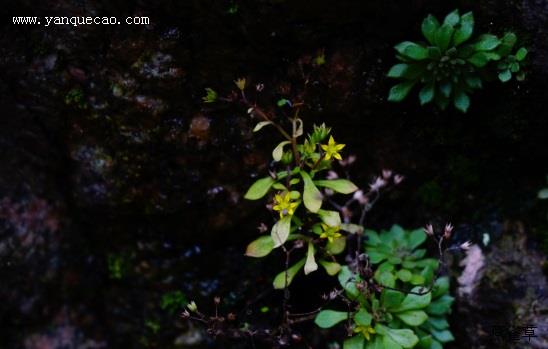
398	313
295	195
451	63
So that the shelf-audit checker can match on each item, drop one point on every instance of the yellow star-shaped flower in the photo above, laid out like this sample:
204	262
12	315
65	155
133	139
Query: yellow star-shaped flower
330	233
283	204
332	149
366	331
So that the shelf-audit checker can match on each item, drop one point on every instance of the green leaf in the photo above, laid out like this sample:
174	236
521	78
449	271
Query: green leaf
446	88
279	280
310	264
441	287
331	268
376	257
404	275
348	281
438	323
280	231
452	18
473	81
312	197
478	59
261	124
507	43
461	101
505	75
426	95
282	102
412	50
443	36
352	228
337	246
375	343
385	279
400	91
416	238
415	301
464	32
543	194
373	238
434	53
331	218
398	70
391	298
329	318
279	151
425	342
362	317
355	342
521	54
404	337
260	247
417	279
428	274
443	336
413	317
259	188
342	186
440	306
429	27
486	42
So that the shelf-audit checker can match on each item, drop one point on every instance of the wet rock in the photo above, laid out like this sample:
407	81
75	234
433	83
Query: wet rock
510	291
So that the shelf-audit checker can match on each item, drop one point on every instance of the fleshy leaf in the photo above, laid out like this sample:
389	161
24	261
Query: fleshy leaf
362	317
280	231
429	27
404	337
352	228
461	101
259	188
415	301
412	50
426	95
416	238
280	279
331	218
464	32
312	197
331	268
337	246
400	91
329	318
310	264
486	42
413	317
521	54
342	186
355	342
260	247
278	152
443	36
261	124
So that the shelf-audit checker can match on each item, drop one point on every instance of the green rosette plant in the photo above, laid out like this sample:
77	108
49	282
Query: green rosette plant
398	312
451	64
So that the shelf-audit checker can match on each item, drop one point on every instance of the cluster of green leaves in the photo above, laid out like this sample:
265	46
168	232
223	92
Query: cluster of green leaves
295	190
451	64
173	301
404	314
